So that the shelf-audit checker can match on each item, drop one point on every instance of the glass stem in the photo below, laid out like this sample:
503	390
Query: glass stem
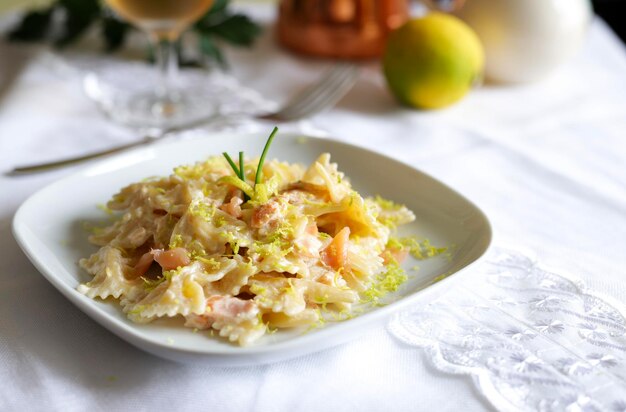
167	65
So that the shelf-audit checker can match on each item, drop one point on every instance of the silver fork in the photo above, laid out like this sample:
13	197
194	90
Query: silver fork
322	94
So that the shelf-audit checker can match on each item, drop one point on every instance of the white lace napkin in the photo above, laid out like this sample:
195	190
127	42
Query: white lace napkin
530	339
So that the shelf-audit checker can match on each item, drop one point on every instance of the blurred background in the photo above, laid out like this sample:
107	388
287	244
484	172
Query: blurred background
612	11
432	53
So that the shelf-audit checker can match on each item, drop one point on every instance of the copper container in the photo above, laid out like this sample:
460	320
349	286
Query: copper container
350	29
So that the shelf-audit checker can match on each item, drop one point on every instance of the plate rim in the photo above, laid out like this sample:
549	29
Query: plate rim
133	336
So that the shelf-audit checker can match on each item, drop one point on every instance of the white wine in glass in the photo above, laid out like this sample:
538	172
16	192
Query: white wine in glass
161	18
163	21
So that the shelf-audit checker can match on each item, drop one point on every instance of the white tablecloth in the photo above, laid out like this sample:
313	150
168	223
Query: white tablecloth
547	163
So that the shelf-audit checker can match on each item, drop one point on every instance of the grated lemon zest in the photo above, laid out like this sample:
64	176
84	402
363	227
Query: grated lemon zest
419	250
384	283
202	210
258	289
211	263
151	284
104	208
177	241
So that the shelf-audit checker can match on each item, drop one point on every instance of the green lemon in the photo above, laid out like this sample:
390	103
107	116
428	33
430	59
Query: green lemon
433	61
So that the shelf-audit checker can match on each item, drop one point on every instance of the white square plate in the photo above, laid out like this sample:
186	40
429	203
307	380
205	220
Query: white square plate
48	227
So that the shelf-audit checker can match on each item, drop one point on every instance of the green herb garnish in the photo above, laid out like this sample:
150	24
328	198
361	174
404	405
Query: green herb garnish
259	169
240	171
232	164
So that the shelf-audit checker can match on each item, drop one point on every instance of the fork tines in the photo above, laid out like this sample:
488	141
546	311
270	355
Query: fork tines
324	93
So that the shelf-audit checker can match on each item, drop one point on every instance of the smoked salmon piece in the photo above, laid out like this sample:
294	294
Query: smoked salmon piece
335	254
171	259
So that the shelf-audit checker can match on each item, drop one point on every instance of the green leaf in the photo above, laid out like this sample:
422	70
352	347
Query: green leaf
237	29
211	51
79	15
190	63
114	32
33	27
81	7
218	6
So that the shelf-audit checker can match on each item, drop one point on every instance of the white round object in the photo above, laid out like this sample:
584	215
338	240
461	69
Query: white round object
525	39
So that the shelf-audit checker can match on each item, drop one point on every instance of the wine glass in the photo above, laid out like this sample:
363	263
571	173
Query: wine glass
165	101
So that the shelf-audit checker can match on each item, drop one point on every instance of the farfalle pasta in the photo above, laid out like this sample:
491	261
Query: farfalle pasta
204	245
